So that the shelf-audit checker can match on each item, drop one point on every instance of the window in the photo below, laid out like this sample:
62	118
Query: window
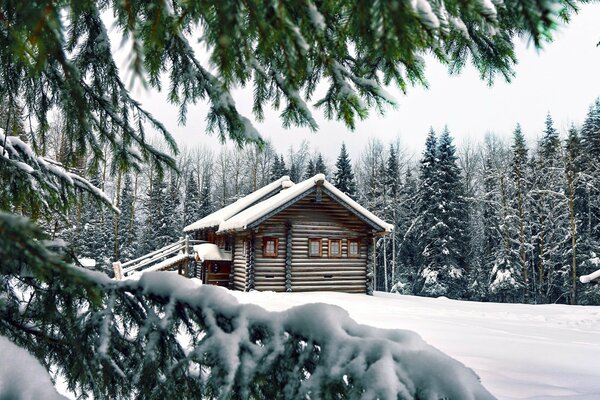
353	248
270	247
315	248
335	248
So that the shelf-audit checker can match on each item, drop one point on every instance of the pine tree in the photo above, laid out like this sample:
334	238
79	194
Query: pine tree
156	233
127	223
500	228
428	282
576	248
588	202
320	167
173	213
408	237
206	204
310	169
191	200
550	216
343	177
519	178
444	270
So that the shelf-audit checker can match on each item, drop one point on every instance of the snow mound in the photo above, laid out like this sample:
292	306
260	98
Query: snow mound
310	351
210	251
22	377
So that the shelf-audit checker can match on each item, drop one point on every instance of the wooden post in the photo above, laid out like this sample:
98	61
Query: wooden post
370	264
118	270
250	260
232	268
288	257
187	252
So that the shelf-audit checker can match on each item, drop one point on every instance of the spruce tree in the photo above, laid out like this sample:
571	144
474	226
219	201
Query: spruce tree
550	216
157	232
577	251
428	281
310	169
191	200
173	212
320	167
519	161
206	204
127	223
589	203
407	228
343	177
444	269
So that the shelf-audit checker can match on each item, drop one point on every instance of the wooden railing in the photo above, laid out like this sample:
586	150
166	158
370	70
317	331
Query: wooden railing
182	247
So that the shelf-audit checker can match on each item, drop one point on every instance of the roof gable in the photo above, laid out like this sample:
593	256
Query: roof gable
219	216
254	215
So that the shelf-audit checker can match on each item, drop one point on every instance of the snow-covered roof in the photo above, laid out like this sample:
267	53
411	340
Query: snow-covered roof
243	219
87	262
240	205
211	252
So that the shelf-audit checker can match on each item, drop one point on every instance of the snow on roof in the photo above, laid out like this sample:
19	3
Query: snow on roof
252	214
225	213
87	262
211	252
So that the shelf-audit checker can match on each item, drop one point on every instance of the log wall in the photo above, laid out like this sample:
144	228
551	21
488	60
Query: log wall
239	263
310	219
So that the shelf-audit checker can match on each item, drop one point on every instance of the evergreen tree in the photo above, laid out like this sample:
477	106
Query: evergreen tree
156	233
310	169
444	269
588	202
500	230
320	167
343	178
550	216
577	250
519	178
278	169
93	235
407	229
127	223
206	204
428	283
191	200
173	213
294	171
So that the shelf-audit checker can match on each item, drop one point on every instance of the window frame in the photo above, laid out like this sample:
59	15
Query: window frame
340	253
310	240
274	254
357	241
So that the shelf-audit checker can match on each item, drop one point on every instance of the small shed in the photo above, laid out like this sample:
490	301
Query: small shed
296	237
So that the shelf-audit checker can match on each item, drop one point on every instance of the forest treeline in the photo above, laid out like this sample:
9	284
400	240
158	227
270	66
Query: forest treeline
497	220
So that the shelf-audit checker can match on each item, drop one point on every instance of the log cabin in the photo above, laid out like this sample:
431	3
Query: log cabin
290	237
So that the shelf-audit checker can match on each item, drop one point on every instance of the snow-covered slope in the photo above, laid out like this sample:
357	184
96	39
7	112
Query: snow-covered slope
519	351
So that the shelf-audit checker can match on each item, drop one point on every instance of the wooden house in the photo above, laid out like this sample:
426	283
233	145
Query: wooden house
293	237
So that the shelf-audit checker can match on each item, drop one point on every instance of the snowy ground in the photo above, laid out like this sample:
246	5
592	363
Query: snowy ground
519	351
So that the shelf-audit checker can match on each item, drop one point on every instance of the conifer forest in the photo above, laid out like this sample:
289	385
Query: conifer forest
499	219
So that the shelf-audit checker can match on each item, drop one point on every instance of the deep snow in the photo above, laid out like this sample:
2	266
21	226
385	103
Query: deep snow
519	351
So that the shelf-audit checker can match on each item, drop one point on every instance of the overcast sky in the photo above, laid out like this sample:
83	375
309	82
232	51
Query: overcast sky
563	79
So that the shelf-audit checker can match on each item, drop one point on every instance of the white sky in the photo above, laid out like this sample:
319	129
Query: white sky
563	78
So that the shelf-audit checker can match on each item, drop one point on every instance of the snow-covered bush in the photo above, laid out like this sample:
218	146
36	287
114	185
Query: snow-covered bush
166	337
